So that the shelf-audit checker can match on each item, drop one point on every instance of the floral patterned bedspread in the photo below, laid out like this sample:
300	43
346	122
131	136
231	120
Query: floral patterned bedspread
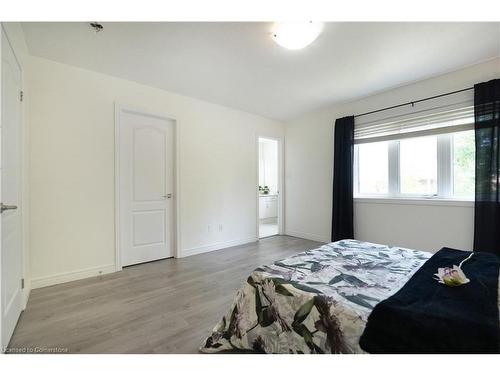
315	302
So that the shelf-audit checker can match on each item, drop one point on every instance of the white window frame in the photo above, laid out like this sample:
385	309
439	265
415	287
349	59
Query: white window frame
445	178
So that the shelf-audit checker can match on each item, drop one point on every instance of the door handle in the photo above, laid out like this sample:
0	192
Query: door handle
168	196
5	207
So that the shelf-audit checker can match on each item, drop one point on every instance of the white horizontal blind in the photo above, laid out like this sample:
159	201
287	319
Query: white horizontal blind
437	120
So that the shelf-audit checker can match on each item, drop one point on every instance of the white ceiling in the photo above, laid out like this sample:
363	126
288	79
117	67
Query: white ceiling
238	64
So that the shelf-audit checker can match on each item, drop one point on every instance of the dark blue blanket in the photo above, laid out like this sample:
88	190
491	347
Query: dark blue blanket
428	317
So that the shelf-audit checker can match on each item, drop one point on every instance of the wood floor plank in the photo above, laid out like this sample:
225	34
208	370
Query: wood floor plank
168	306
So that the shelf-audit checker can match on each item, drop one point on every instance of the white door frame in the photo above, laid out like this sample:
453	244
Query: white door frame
22	197
281	182
119	109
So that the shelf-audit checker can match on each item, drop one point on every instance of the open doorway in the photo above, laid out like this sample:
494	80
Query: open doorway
269	187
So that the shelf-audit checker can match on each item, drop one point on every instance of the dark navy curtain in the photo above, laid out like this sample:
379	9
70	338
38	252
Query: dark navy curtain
487	130
342	220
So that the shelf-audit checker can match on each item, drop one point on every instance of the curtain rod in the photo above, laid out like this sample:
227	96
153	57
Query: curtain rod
413	102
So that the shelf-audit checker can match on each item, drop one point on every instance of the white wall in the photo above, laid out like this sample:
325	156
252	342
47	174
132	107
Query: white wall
309	171
71	120
424	226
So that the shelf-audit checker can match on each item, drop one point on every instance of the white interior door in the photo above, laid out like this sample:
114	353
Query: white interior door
12	256
146	187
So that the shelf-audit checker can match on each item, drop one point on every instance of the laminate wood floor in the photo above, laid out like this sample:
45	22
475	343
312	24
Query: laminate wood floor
168	306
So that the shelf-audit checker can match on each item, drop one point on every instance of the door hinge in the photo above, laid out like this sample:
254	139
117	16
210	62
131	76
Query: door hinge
22	283
21	95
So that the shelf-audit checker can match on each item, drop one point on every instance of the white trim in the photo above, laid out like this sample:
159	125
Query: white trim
444	144
394	171
415	201
308	236
64	277
119	108
256	186
355	172
217	246
281	185
281	181
118	256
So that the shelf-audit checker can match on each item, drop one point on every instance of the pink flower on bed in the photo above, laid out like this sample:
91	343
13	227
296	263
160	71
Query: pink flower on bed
453	276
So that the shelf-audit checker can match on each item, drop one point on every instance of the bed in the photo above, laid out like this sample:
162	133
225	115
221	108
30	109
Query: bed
315	302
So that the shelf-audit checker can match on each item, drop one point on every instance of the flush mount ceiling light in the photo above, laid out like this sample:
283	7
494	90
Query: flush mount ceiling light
296	35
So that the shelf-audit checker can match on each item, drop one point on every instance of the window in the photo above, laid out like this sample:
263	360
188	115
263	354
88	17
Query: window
373	168
433	166
425	152
464	160
418	165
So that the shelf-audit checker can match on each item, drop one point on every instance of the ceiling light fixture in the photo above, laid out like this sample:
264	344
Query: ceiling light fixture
296	35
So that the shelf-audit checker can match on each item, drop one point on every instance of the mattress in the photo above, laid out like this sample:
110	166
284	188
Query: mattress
315	302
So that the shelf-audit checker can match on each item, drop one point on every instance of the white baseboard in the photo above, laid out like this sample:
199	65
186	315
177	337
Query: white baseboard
308	236
216	246
26	292
40	282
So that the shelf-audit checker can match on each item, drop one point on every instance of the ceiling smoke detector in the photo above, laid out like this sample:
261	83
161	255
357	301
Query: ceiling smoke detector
96	26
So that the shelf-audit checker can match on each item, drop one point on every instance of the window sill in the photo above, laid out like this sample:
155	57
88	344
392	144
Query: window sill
415	201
